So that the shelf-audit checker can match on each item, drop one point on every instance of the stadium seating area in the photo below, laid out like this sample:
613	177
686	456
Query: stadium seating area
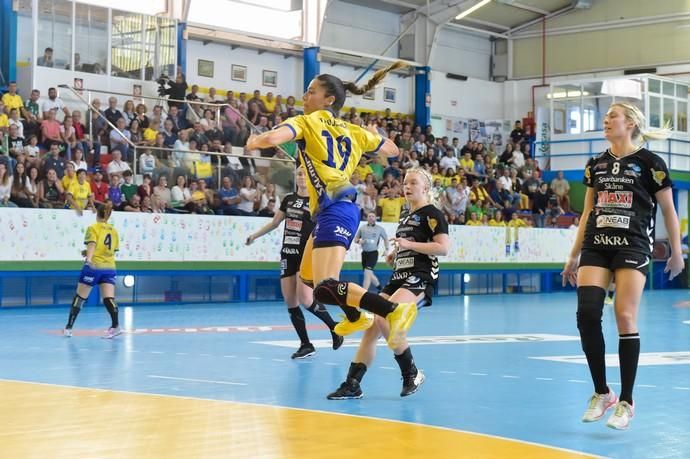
174	150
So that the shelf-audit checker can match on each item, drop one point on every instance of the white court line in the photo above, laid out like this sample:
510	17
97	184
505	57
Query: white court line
254	358
615	383
448	372
510	377
544	379
230	356
479	374
388	368
205	355
681	388
278	360
333	364
182	353
229	383
578	381
645	385
157	352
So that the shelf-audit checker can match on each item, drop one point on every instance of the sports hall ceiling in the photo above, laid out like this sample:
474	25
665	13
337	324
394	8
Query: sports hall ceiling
496	17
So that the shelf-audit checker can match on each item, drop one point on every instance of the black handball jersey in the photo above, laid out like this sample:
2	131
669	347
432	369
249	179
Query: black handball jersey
298	223
419	226
624	208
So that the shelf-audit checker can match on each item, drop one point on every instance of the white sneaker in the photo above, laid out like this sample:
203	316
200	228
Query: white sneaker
621	417
598	405
112	333
67	333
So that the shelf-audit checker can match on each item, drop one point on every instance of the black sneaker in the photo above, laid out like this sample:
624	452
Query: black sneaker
412	382
337	341
348	390
305	350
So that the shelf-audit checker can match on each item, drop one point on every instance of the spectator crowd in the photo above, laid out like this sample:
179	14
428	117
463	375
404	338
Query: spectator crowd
54	157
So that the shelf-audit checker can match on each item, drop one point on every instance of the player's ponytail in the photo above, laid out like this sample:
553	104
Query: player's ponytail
335	87
105	210
641	133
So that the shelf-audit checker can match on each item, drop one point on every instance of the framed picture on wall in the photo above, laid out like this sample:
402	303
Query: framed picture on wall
205	68
238	72
389	94
369	95
270	78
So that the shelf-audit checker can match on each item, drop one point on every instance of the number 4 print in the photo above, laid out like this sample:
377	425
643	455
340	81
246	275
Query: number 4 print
344	149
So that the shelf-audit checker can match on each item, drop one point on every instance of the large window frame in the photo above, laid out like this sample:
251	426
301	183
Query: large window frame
161	60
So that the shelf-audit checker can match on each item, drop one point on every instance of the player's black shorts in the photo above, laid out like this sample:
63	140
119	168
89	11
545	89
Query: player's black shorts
369	259
289	265
413	283
615	259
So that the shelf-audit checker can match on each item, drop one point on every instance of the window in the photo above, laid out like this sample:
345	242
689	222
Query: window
669	112
91	42
25	35
682	117
126	48
654	111
160	37
54	33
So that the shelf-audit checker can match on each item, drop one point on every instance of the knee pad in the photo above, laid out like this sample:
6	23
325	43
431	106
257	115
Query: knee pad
110	303
590	304
331	291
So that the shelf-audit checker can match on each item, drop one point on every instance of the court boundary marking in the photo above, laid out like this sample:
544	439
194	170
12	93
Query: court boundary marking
359	416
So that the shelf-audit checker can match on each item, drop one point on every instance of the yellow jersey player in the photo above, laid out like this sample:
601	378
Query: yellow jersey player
102	242
330	150
79	195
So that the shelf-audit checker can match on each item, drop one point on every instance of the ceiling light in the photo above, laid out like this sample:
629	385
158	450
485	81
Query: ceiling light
471	9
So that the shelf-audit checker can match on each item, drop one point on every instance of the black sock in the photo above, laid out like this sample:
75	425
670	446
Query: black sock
376	304
406	362
297	319
611	293
356	371
111	306
321	312
590	308
77	303
628	355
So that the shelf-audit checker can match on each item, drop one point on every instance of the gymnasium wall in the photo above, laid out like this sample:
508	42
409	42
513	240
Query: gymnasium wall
34	235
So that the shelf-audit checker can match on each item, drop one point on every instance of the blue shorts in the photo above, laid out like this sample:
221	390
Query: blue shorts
91	276
336	225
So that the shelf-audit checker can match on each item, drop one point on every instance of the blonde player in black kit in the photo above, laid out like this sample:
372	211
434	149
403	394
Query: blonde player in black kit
624	185
421	237
294	209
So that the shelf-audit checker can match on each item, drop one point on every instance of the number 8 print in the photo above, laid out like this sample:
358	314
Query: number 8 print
616	168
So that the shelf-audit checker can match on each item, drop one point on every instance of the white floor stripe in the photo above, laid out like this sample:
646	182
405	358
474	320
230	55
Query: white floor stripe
544	379
645	385
278	360
577	381
478	374
681	388
254	358
388	368
229	383
230	356
333	364
448	372
510	377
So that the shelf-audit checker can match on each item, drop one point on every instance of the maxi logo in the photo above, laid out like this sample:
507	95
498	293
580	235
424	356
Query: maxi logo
617	199
294	225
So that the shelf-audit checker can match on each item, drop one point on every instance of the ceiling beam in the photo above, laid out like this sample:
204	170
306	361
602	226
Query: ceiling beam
401	3
533	9
454	25
485	23
532	22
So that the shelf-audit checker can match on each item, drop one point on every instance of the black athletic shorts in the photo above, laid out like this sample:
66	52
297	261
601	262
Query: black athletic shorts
615	259
289	265
369	259
414	284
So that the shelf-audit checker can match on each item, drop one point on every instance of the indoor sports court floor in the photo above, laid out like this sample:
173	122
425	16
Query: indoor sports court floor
505	378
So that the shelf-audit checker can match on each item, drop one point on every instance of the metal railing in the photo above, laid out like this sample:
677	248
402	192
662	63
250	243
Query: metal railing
136	149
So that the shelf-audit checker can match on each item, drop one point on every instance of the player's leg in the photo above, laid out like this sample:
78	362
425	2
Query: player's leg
592	280
631	283
80	297
107	288
288	287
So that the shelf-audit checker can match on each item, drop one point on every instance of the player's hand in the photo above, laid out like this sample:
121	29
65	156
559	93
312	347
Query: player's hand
250	239
401	243
390	258
569	273
674	265
251	142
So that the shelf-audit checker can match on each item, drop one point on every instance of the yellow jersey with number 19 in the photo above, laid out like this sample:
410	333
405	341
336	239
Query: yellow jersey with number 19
330	150
107	243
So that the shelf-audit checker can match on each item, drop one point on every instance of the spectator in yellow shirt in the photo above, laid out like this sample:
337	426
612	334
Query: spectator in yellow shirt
11	99
70	176
363	168
270	103
79	195
4	120
151	132
517	222
497	219
391	205
474	220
